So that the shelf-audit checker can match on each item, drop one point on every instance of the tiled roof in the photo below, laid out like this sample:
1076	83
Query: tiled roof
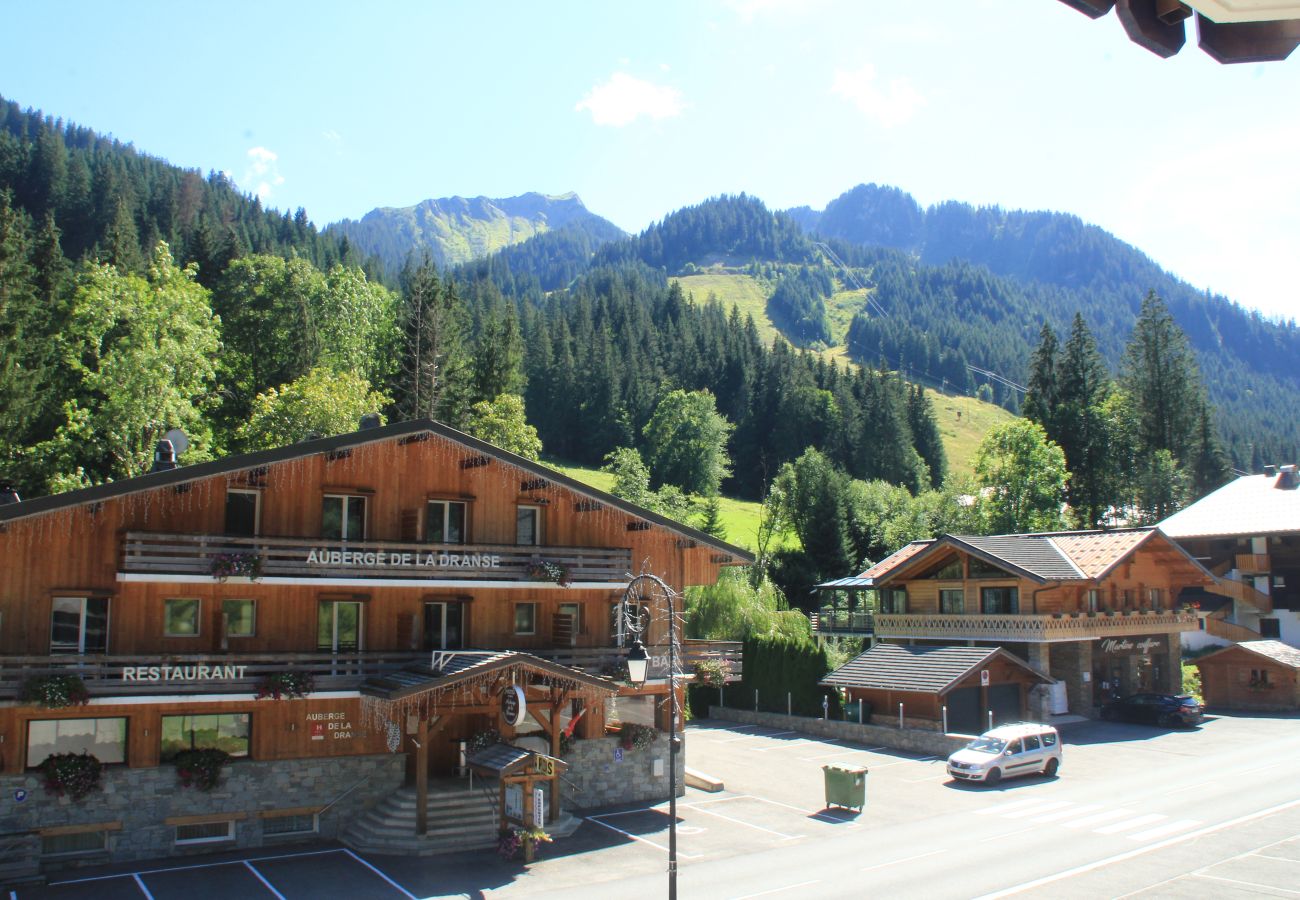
1251	505
1033	554
868	578
928	670
1096	552
1274	650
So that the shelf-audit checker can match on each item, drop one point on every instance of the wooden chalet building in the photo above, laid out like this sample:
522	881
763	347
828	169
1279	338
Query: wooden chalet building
1096	611
343	617
1252	675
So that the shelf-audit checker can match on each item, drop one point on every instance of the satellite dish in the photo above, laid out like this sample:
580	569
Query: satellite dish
180	443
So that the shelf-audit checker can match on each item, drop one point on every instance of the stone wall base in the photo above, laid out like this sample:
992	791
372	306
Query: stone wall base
601	773
916	740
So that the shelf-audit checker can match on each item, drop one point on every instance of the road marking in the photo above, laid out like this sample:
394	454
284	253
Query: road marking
1099	818
1140	851
787	745
1066	813
635	837
1267	887
1191	787
819	756
1203	869
404	891
212	865
895	862
1005	807
258	875
1130	824
1161	831
139	882
788	887
999	837
1035	810
750	737
709	812
838	820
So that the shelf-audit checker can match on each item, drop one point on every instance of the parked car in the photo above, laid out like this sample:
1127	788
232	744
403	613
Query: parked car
1154	709
1006	752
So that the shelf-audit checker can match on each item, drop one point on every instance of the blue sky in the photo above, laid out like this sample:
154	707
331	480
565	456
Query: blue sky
644	108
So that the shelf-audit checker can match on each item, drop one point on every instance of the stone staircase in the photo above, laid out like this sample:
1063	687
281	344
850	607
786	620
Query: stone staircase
459	819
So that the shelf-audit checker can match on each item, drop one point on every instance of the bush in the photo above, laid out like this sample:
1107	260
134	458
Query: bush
777	667
633	736
55	691
291	685
200	768
712	672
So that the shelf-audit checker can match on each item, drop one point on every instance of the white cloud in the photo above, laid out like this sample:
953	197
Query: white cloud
623	99
889	105
263	172
749	10
332	136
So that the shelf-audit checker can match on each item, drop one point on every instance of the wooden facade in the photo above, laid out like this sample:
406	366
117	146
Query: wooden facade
182	591
1246	677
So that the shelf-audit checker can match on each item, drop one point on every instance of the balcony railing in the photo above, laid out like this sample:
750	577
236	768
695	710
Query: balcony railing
1253	563
245	673
217	673
1243	591
1231	631
150	556
842	621
1033	628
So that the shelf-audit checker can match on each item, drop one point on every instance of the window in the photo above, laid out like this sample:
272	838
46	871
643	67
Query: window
242	512
1094	600
181	617
999	600
640	616
205	832
104	738
444	522
1155	597
274	826
1270	628
338	626
1031	743
79	625
1049	739
952	602
949	571
77	842
528	525
980	569
240	617
525	618
211	731
444	626
343	517
1259	678
893	600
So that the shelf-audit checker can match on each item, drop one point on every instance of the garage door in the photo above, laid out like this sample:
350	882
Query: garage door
1004	700
964	711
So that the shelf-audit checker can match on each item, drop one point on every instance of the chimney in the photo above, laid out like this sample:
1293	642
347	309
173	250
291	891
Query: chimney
164	457
1270	471
1288	479
368	421
8	494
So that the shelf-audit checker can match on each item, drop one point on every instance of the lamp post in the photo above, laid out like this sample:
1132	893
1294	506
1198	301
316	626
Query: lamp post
644	588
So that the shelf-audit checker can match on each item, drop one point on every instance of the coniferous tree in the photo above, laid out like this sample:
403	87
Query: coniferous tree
925	434
1040	399
1163	381
433	364
1079	425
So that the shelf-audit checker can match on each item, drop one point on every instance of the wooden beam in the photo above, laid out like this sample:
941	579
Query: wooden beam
422	778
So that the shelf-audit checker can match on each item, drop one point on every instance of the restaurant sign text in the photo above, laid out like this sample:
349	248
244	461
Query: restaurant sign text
183	673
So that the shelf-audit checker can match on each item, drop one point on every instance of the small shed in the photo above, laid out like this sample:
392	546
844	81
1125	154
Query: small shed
1252	675
965	683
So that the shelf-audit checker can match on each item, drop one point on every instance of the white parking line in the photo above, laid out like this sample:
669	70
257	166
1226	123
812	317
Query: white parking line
788	887
140	884
1253	884
395	885
635	837
211	865
894	862
258	875
709	812
750	737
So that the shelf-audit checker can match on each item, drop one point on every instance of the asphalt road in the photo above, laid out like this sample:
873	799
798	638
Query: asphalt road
1135	812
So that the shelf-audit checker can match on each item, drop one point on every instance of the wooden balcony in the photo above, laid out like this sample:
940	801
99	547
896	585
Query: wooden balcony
1034	629
1243	591
1229	631
1253	563
199	558
833	622
107	677
210	673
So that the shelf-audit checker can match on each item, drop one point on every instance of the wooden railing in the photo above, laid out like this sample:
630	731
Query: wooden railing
1243	591
828	620
215	673
200	556
1034	628
609	660
1253	563
1229	631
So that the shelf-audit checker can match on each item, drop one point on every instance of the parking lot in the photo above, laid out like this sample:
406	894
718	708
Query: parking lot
773	799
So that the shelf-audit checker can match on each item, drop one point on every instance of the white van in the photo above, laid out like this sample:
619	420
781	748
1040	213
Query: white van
1008	751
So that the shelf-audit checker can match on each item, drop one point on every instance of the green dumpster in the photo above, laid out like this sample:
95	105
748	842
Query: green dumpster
846	786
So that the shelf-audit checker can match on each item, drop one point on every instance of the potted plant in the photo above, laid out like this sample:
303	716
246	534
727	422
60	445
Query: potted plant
200	768
550	570
286	685
73	774
634	736
236	565
522	841
712	672
482	740
55	691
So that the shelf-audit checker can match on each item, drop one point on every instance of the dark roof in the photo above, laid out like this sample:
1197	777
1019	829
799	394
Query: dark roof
927	670
500	759
448	669
1273	650
1034	555
185	474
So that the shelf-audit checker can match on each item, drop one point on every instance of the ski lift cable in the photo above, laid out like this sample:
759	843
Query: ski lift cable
852	278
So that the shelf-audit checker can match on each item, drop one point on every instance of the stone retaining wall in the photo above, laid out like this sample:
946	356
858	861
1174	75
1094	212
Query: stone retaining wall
915	740
602	774
139	800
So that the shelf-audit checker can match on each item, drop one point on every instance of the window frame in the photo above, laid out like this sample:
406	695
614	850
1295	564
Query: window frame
531	605
961	601
198	617
94	744
446	504
257	511
1013	600
101	831
347	497
225	619
274	816
163	756
228	837
83	600
537	516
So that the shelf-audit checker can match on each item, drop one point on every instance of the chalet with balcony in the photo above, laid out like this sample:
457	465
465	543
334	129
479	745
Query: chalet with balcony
1095	611
346	619
1247	533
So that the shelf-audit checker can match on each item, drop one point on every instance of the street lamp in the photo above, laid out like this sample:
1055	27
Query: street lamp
644	588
